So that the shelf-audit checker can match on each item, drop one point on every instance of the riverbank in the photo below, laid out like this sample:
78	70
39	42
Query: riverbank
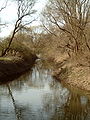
11	67
72	73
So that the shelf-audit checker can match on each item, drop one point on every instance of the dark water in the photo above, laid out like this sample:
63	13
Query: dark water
37	96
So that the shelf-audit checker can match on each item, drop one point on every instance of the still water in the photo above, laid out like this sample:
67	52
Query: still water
37	96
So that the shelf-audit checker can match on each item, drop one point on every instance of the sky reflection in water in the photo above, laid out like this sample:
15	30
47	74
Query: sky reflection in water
37	96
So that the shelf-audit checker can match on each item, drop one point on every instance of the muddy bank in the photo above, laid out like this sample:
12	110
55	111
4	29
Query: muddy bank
75	75
10	69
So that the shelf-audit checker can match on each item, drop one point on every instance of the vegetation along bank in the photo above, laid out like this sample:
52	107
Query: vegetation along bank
18	60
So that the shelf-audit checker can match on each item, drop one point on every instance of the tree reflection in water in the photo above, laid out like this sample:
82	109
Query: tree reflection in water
17	111
75	107
37	96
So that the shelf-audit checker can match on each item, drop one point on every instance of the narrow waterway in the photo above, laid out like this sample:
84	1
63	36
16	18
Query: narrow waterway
36	95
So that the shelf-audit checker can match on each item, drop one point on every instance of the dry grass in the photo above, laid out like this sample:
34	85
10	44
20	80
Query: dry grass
79	77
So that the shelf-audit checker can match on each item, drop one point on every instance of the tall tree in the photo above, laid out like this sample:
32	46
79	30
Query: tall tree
72	17
24	11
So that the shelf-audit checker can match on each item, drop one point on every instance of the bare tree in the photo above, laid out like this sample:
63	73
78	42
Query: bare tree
71	17
25	11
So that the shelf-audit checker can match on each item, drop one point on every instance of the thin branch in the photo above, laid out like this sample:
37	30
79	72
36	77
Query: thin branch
4	6
49	30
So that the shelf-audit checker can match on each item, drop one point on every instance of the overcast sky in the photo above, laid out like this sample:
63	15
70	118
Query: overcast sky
9	14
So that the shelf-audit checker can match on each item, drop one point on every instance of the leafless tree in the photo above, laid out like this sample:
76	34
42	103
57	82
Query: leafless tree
71	17
25	11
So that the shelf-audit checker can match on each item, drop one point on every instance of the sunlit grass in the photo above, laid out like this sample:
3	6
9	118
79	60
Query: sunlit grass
5	59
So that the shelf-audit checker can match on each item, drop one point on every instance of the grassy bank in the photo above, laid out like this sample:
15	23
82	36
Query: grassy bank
17	60
11	67
73	73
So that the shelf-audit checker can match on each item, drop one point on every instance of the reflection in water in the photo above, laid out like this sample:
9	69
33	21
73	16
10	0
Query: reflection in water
17	111
37	96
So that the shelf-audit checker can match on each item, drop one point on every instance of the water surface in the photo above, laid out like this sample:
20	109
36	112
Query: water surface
36	95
